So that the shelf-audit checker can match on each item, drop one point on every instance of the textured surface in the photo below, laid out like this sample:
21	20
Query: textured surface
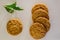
14	27
39	13
39	6
37	31
44	21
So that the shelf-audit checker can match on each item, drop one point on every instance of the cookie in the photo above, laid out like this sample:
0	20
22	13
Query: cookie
37	31
43	21
39	13
39	6
14	27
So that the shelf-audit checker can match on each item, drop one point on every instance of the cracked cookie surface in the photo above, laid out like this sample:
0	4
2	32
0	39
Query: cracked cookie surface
14	27
37	31
43	21
39	13
39	6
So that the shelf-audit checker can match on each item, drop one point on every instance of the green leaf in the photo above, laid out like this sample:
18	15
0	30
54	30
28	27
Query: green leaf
9	9
14	4
17	8
12	7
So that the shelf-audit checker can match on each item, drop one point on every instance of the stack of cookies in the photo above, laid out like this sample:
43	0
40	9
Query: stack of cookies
41	24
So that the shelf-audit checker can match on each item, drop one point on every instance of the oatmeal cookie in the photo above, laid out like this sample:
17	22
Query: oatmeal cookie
37	31
39	13
39	6
14	27
43	21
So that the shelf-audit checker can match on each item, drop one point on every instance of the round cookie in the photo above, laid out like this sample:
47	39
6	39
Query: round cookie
37	31
14	27
43	21
39	13
39	6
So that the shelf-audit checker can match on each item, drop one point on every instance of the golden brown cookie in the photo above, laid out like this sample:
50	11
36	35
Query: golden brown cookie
39	6
39	13
37	31
14	27
43	21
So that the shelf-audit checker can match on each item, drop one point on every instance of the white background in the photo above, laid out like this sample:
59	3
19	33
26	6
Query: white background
26	18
